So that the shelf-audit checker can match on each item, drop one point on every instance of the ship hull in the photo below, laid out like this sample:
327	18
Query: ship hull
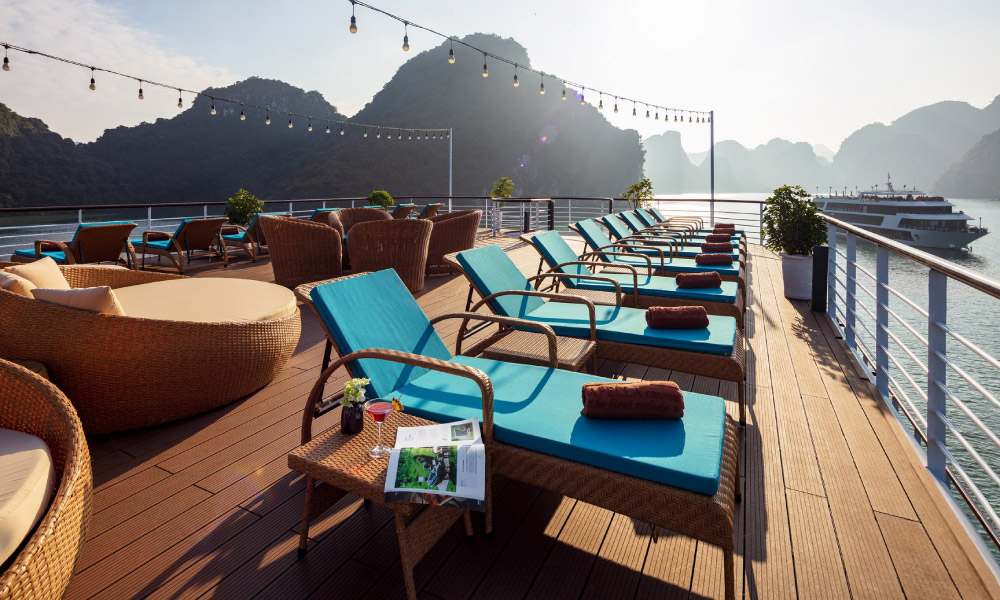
942	240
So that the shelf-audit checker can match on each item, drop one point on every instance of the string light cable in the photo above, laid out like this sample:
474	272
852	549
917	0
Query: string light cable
704	115
141	81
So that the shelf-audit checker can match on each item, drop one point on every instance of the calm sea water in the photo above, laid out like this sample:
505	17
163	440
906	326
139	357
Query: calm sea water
971	314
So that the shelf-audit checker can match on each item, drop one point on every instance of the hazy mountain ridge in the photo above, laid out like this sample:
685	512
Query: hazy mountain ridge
917	149
976	174
547	146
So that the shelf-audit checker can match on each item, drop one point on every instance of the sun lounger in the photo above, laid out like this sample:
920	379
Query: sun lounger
429	210
679	244
402	211
251	238
620	332
92	243
656	258
638	290
682	475
201	238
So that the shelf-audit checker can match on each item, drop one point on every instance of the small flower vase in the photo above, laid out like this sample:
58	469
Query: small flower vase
352	419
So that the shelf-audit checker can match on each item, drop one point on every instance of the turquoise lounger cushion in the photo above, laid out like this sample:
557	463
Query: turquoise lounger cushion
556	251
688	251
233	237
632	221
680	265
539	409
399	206
592	234
493	271
164	244
615	225
58	256
628	325
354	310
663	287
645	217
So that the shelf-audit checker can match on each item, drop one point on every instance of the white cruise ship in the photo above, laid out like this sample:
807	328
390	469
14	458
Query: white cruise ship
907	216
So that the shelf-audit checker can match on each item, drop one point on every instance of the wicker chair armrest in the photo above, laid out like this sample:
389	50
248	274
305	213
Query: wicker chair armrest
502	321
70	259
315	402
566	298
560	276
146	235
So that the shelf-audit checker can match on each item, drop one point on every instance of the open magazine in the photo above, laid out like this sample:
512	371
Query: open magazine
438	464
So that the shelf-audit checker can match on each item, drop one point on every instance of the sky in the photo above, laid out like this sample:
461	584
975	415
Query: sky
802	70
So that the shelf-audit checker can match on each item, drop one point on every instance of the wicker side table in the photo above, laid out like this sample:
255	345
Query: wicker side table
336	464
528	347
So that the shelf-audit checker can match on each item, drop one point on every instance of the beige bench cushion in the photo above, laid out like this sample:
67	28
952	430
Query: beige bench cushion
27	479
207	300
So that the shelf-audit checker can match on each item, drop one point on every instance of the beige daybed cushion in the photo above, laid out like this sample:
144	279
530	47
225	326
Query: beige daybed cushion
207	300
27	478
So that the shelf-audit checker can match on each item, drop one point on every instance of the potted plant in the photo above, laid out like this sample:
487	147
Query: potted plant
638	194
243	207
792	225
381	198
352	416
502	188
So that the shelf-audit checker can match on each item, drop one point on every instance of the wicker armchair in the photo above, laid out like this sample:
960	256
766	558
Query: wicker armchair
396	244
349	217
302	251
453	232
32	405
126	372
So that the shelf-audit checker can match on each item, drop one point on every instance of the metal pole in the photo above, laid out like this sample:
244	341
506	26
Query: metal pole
882	324
451	135
937	373
850	311
711	158
831	274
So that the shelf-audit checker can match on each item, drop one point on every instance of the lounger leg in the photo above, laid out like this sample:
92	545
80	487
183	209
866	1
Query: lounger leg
307	508
406	561
743	405
326	355
730	567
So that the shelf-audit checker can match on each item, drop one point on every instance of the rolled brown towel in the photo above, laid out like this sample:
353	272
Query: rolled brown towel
230	230
715	247
725	225
729	230
640	400
676	317
713	259
158	236
709	279
719	238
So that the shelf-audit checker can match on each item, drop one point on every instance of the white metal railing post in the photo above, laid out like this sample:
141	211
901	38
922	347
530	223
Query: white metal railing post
449	202
937	374
882	321
569	211
79	216
290	209
149	217
324	204
850	311
204	211
711	212
760	224
831	274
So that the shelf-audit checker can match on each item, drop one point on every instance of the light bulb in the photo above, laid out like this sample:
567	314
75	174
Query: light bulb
310	127
616	107
400	136
354	25
341	129
365	133
582	100
141	95
516	83
657	115
289	123
328	128
541	90
212	112
689	118
93	84
409	136
710	119
647	113
378	134
582	90
486	71
6	64
564	95
267	120
633	111
180	101
243	116
601	105
675	117
451	56
406	43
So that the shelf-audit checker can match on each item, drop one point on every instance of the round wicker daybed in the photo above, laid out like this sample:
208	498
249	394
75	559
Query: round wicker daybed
126	372
44	565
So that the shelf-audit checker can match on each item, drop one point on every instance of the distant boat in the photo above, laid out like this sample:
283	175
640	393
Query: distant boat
908	216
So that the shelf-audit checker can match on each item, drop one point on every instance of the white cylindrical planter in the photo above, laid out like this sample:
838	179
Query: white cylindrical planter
796	271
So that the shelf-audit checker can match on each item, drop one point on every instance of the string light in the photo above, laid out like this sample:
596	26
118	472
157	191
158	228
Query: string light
93	84
354	23
657	114
409	135
616	105
400	136
516	83
289	123
6	61
541	90
212	112
633	108
601	105
406	37
582	101
310	127
486	55
180	100
267	119
647	112
564	95
675	117
341	129
243	116
366	132
378	134
328	128
141	96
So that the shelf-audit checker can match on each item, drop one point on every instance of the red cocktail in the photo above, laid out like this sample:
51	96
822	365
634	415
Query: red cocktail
379	409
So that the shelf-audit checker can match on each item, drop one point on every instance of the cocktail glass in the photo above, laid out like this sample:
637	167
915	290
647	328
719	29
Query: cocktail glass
379	409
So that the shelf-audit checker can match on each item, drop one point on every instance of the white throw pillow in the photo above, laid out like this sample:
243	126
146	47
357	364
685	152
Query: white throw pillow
100	299
43	273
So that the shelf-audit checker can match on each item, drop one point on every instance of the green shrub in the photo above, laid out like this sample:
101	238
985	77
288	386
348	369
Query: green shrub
380	198
639	193
502	188
243	207
792	223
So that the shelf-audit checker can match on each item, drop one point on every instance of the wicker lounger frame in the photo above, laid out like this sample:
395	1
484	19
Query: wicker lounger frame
253	240
200	238
720	366
710	519
125	372
44	565
634	299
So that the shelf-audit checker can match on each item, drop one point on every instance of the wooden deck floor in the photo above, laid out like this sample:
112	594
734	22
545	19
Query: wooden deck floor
835	502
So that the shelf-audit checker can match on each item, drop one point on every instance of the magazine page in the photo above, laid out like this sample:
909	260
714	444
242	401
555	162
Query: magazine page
458	433
446	460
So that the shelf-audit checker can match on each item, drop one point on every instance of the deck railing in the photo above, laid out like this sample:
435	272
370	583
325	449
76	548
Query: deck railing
904	345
